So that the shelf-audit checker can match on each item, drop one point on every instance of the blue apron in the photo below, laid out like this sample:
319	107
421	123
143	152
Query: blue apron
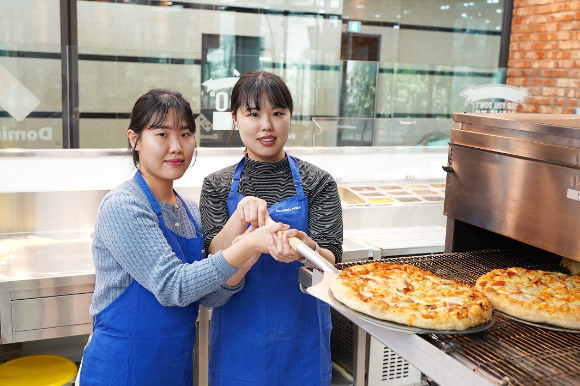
138	341
270	333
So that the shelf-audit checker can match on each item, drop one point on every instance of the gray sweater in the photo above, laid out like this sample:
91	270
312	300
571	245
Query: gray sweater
129	245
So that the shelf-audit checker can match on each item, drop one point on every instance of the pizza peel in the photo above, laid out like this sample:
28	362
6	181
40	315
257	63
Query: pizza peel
308	253
372	325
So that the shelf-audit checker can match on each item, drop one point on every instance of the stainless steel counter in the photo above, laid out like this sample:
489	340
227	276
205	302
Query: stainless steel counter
44	259
399	241
356	250
46	285
47	281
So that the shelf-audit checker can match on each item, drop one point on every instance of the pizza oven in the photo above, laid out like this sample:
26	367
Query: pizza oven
514	179
512	199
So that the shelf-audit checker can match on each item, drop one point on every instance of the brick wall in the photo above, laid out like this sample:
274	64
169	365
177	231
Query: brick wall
544	54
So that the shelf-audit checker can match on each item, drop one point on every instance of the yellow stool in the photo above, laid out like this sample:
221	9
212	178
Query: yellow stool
37	370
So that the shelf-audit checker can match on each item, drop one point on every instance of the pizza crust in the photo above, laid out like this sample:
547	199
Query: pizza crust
534	295
572	265
410	296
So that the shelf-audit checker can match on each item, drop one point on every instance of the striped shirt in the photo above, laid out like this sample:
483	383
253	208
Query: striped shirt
272	182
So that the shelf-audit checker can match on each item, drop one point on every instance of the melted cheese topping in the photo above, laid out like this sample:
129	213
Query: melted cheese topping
405	286
535	286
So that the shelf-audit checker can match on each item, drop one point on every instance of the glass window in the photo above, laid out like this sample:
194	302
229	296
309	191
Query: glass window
30	75
405	60
224	59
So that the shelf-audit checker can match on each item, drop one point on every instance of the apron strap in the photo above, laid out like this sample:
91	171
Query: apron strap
295	174
138	177
237	175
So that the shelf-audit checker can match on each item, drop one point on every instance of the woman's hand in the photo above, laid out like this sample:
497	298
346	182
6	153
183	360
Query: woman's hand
256	242
252	210
262	239
283	252
250	263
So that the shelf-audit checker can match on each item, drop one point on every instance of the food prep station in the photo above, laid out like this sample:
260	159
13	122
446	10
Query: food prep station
47	279
393	219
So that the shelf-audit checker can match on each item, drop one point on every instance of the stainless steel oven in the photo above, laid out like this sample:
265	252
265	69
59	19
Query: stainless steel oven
512	199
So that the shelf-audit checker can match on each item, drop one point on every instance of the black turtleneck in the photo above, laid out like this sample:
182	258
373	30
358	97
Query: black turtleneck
272	181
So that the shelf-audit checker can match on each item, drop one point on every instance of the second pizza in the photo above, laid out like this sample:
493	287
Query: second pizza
534	295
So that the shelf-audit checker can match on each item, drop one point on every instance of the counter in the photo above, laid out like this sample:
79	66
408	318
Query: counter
46	286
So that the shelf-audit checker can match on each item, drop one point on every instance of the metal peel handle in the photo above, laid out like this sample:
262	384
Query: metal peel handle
315	258
308	253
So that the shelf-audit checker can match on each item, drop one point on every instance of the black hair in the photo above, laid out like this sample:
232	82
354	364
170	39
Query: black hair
151	110
254	85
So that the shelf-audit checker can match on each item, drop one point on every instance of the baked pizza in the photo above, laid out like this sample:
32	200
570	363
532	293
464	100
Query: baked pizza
411	296
534	295
572	265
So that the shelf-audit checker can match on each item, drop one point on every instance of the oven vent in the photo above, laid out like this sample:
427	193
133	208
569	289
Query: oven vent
387	368
342	341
